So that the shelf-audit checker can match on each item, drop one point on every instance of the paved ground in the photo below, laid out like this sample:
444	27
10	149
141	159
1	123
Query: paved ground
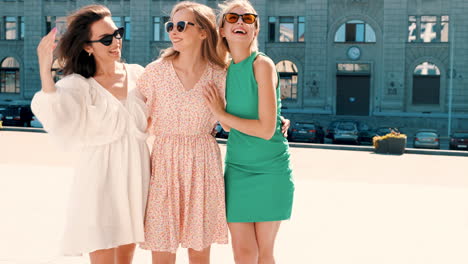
351	207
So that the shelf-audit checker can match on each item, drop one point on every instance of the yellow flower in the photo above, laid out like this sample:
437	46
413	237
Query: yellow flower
393	134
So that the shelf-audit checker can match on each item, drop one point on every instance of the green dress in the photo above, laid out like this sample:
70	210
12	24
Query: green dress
258	176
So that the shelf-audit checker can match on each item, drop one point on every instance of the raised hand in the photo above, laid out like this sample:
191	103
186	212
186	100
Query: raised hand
45	51
45	54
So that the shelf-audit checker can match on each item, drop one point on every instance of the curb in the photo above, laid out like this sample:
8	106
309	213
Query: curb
23	129
371	149
304	145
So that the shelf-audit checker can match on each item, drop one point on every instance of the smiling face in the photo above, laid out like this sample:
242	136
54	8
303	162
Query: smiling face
191	37
239	33
101	52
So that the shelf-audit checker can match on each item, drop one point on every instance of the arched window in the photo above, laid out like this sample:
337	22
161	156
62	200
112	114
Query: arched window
426	84
56	71
288	79
355	31
9	76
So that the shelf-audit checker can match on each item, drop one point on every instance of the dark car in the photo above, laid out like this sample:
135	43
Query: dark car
331	129
307	132
365	134
382	131
220	132
459	140
16	116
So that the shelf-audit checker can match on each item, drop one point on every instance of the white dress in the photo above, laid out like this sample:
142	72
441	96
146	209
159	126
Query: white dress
110	186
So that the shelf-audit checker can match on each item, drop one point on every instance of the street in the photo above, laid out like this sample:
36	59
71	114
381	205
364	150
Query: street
352	207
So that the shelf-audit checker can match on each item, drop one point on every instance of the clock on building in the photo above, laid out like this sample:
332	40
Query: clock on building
354	53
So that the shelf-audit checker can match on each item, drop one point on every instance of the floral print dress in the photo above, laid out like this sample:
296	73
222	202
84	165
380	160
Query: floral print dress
186	204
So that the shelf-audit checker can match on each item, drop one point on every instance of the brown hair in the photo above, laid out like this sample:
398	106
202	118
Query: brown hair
206	19
226	7
70	51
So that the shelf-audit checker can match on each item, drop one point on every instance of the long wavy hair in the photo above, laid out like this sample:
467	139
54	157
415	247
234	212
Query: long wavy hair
226	7
70	51
206	19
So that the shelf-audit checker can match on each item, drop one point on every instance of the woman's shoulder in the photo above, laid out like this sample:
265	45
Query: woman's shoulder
157	65
135	68
218	71
217	68
73	80
263	60
263	64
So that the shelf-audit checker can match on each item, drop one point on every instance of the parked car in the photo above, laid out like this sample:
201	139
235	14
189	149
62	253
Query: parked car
16	115
346	132
384	130
426	138
11	116
307	132
332	127
2	110
35	122
459	140
365	134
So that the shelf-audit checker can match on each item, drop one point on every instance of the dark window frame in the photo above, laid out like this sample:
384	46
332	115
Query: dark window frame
274	28
440	21
3	77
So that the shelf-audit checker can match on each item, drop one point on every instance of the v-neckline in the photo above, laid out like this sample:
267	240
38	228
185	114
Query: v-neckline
127	82
183	88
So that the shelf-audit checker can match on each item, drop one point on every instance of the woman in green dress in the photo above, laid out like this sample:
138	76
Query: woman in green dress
258	178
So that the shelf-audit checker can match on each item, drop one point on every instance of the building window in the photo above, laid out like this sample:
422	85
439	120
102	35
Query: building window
428	29
117	21
11	28
290	29
125	22
159	30
426	84
9	76
59	22
128	28
343	68
286	29
272	29
22	28
49	22
166	35
355	31
300	28
156	28
288	79
444	32
412	29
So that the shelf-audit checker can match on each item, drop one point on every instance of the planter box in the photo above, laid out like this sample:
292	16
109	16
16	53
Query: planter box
391	146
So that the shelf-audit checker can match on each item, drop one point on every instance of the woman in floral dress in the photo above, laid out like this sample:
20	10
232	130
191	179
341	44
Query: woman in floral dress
186	201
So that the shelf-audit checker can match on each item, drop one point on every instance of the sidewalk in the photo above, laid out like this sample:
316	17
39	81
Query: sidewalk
351	207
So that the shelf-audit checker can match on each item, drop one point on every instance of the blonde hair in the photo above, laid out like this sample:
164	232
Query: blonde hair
226	7
206	19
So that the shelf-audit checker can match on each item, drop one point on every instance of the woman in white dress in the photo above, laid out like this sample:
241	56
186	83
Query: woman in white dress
96	110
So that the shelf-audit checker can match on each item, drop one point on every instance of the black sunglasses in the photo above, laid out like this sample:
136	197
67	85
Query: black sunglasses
107	39
181	26
232	18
